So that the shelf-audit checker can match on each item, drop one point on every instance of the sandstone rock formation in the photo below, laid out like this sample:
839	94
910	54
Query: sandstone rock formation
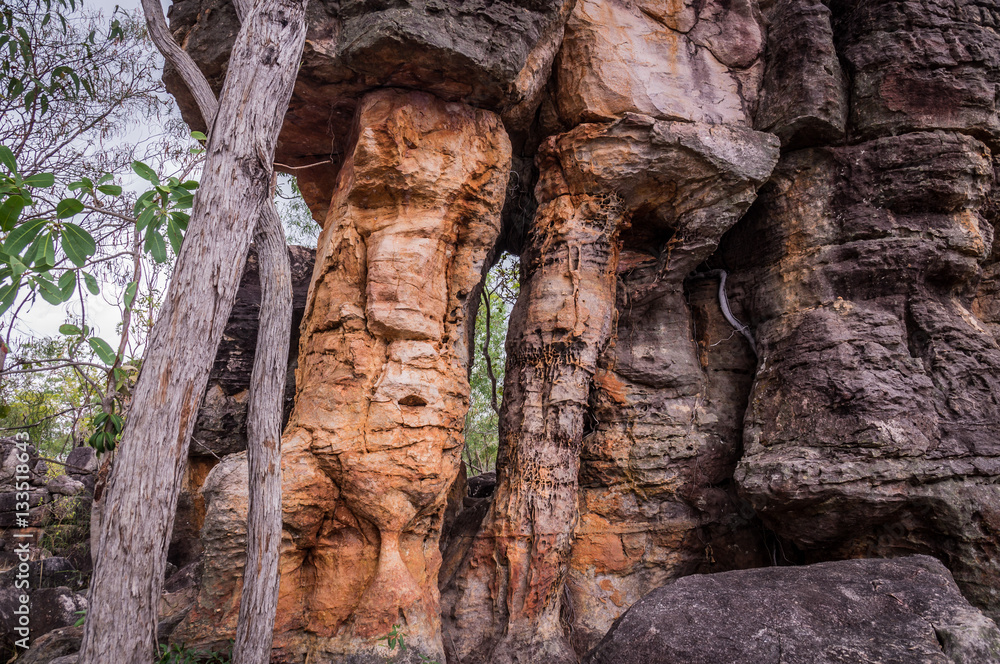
758	320
904	610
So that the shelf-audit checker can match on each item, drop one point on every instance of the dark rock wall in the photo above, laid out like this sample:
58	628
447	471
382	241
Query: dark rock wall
868	273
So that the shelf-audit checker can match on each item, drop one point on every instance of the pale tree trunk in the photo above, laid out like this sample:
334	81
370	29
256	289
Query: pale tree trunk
259	600
142	496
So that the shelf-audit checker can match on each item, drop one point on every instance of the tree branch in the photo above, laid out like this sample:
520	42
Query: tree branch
196	82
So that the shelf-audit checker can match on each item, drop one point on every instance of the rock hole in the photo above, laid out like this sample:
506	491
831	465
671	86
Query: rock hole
413	401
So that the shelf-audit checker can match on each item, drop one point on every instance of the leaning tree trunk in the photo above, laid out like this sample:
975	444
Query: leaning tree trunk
259	600
142	496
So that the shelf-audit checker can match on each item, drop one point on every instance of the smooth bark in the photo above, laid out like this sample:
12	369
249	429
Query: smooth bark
142	496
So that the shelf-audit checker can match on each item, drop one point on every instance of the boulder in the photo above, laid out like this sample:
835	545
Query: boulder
51	572
65	485
858	611
49	609
61	644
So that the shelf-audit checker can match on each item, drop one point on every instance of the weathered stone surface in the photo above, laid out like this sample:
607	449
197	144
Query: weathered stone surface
803	99
368	464
666	407
49	648
681	185
493	54
211	621
619	57
49	609
871	428
921	64
65	485
863	611
51	572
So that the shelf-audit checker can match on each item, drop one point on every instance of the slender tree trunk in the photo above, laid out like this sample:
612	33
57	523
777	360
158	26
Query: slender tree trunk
259	600
142	497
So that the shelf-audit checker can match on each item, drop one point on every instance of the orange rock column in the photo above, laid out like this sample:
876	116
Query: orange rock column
374	442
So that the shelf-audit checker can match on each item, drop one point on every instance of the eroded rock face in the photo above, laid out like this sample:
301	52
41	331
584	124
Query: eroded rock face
368	463
668	60
871	429
903	610
492	54
662	191
872	424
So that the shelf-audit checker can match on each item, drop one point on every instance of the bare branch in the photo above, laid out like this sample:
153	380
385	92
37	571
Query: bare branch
196	82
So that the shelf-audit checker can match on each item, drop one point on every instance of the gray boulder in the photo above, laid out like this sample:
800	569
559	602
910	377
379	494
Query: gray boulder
898	611
49	609
65	485
60	646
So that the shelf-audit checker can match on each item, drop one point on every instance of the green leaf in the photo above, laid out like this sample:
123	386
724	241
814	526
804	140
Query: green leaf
43	180
7	158
49	291
48	250
31	255
22	236
181	219
17	268
190	185
8	294
155	245
117	422
130	293
103	350
71	330
175	236
143	202
68	207
10	212
198	136
67	284
182	199
91	283
145	217
104	179
145	172
78	244
110	189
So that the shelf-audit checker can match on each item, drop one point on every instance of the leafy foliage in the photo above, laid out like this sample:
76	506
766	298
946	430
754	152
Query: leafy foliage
177	654
488	362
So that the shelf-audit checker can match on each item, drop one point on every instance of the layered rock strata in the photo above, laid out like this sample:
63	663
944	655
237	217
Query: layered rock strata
606	365
872	425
